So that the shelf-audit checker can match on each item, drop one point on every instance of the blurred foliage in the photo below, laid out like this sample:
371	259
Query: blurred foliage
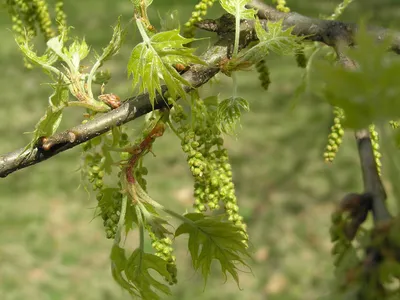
50	248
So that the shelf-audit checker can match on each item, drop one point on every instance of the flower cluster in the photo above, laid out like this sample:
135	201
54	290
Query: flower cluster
263	74
43	18
281	6
208	161
199	12
335	137
27	15
61	17
110	211
95	170
164	250
375	147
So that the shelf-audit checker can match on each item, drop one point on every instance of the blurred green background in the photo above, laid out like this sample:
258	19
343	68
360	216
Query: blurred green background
50	248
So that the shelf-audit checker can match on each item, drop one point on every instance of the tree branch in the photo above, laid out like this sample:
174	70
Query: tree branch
132	108
329	32
371	178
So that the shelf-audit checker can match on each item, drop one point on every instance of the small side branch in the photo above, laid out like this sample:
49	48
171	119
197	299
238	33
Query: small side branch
372	181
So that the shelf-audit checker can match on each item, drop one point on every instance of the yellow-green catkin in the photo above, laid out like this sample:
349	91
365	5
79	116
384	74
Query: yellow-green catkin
23	19
209	163
200	10
339	10
375	147
281	6
263	74
43	18
61	17
335	137
163	247
27	15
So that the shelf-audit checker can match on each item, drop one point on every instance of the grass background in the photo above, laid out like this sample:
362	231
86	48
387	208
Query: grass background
50	248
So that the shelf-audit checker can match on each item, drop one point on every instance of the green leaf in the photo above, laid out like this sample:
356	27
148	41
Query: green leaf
114	45
276	39
136	270
49	123
211	102
214	238
118	264
107	201
45	61
77	51
153	60
238	9
368	93
229	112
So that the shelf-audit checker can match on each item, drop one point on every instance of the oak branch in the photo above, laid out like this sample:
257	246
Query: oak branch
331	33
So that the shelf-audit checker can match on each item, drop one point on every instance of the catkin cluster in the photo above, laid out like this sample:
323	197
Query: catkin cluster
109	205
164	250
375	147
281	6
200	10
335	137
263	74
28	15
61	17
209	162
110	211
94	169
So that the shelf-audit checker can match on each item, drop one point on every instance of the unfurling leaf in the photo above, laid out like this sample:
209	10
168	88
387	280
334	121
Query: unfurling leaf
133	273
114	45
229	112
45	61
152	61
276	39
49	123
213	237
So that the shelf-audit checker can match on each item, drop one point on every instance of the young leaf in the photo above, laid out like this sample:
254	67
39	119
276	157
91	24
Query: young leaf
229	112
77	51
45	61
113	46
238	9
276	39
137	269
212	237
49	123
153	59
118	265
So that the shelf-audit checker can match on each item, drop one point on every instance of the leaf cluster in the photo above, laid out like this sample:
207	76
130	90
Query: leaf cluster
213	237
133	273
153	60
63	64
